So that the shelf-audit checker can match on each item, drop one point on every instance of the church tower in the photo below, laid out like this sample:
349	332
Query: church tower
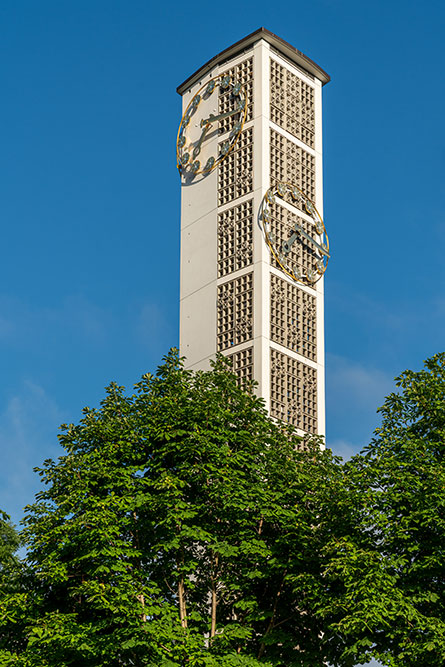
254	247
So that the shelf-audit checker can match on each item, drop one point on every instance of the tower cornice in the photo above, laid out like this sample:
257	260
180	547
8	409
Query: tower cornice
281	45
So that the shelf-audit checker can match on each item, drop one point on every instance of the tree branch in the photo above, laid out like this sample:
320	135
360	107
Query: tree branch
272	618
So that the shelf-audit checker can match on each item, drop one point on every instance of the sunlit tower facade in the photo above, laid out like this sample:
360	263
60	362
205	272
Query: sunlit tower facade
254	248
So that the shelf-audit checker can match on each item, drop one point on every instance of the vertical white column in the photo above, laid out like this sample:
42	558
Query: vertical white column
321	409
261	253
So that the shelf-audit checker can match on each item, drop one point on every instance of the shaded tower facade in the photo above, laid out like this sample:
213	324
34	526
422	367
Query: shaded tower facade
254	248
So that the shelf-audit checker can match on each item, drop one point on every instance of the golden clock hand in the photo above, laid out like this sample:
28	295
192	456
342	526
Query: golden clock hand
323	250
197	148
298	230
212	118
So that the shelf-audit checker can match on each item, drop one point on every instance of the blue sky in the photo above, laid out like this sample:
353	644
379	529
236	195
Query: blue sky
90	195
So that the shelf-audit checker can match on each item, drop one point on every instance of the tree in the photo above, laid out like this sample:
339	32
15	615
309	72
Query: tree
10	570
9	543
387	572
181	527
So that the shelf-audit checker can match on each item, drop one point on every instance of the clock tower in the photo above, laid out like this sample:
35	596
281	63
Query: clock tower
254	247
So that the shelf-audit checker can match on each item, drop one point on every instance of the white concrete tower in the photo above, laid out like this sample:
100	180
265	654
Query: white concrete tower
252	268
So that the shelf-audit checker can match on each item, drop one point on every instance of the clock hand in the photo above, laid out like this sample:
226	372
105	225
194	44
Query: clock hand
212	118
323	250
197	148
298	230
290	241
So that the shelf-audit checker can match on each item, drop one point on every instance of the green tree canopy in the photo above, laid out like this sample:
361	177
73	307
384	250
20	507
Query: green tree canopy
387	576
182	527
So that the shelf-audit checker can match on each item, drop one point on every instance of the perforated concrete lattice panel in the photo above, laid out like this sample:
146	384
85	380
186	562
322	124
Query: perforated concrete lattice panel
242	364
291	163
293	318
235	311
235	174
292	105
235	238
243	74
293	391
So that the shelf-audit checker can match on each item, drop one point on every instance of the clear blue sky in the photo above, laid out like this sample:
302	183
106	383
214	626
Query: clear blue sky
89	200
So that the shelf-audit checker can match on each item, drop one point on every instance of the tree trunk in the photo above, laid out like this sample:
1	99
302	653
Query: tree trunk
214	603
141	599
182	603
214	598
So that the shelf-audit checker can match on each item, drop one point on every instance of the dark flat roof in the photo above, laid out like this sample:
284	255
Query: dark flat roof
286	49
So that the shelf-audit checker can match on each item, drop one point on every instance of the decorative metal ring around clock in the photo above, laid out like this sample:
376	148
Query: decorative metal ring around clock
317	241
187	152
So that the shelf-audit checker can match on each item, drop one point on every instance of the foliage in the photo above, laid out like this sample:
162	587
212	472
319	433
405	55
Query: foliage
9	543
182	527
387	575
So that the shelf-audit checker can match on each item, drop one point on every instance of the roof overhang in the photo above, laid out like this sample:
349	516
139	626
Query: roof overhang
283	47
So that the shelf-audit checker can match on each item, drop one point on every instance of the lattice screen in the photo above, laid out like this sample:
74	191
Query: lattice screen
235	238
307	74
242	364
241	73
282	223
235	174
293	392
235	311
292	103
293	317
292	164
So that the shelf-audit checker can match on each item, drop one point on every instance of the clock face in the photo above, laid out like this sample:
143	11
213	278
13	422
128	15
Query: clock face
197	152
298	243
